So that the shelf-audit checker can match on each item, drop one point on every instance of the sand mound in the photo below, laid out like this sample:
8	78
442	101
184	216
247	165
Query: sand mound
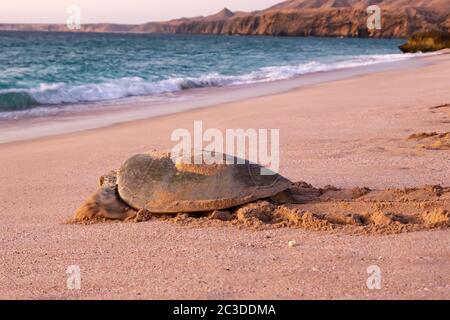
264	213
437	216
432	141
355	211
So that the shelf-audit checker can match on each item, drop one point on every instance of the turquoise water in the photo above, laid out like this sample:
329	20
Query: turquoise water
55	69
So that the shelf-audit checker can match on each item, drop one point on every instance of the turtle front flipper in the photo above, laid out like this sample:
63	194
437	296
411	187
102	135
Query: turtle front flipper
106	204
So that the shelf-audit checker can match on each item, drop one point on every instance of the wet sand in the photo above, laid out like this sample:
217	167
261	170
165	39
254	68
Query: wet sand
348	133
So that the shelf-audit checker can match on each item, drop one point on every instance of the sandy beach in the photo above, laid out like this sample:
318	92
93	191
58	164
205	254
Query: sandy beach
379	130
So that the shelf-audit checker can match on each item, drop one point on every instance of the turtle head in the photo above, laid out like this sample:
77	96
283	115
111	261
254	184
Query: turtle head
108	180
106	204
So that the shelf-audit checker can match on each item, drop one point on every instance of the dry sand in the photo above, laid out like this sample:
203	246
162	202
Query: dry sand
349	133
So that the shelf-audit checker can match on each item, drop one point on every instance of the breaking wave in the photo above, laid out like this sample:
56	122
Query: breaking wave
60	93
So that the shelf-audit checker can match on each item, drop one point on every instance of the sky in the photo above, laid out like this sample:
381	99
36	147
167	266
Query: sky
116	11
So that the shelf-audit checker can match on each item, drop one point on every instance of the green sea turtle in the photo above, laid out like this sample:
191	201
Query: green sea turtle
157	184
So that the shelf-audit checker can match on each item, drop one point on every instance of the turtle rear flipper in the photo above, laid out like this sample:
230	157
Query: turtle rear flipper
287	196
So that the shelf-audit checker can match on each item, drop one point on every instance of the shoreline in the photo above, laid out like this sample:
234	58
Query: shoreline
108	113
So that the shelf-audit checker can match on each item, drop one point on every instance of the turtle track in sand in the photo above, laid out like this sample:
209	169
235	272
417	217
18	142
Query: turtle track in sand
354	211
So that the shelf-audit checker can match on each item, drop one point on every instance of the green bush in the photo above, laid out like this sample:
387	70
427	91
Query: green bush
427	42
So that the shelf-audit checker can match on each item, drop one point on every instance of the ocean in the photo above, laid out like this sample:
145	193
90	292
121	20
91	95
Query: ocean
45	72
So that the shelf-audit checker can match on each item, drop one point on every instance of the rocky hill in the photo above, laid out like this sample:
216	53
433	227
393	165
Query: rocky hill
335	18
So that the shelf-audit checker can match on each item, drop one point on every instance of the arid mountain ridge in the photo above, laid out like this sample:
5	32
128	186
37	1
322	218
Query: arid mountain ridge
335	18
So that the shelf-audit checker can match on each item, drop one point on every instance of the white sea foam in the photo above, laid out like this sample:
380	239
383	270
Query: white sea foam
60	93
